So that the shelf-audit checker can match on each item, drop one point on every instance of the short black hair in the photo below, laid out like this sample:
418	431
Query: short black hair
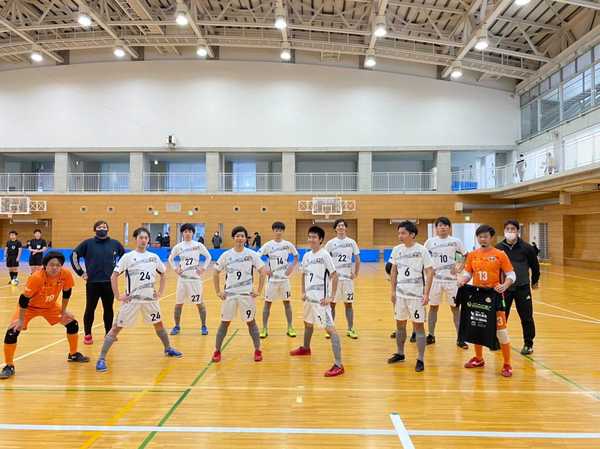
278	225
443	220
138	231
37	230
53	255
409	226
317	230
187	227
13	232
338	221
98	223
388	267
238	229
513	222
482	229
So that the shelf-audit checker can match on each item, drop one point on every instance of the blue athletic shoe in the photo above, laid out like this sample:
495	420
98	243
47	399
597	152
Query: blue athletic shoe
101	366
204	330
175	330
172	352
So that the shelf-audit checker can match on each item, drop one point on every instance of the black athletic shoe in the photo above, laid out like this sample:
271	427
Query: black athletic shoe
430	340
78	357
393	334
413	338
7	371
462	344
420	366
527	350
396	358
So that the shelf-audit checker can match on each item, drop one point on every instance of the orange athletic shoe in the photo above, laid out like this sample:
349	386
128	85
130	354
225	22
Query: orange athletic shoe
334	371
475	363
300	351
506	371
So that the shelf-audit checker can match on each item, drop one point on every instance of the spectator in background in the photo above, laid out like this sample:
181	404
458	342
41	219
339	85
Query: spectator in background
520	167
535	248
217	240
159	239
550	164
257	242
201	239
166	240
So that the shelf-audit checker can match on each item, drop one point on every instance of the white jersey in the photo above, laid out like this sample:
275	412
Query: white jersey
317	268
341	251
278	254
140	274
444	255
189	259
410	263
239	267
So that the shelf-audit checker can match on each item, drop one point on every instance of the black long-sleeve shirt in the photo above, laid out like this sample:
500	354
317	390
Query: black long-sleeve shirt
100	256
523	258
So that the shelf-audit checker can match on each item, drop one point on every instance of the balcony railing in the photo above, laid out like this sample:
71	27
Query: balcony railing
326	182
26	182
98	182
250	182
174	182
403	181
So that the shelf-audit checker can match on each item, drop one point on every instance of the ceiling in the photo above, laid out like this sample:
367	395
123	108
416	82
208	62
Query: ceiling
436	32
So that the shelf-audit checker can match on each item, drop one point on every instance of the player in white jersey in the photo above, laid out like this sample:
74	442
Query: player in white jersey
278	271
447	253
318	274
189	271
140	298
239	264
412	275
342	248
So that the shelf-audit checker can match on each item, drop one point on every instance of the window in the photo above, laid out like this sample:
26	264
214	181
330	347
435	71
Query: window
185	177
584	61
574	96
568	70
524	98
545	86
529	119
554	80
549	110
244	176
597	52
534	92
597	77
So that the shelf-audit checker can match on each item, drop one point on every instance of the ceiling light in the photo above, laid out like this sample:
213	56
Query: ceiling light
280	21
521	2
155	162
380	29
286	52
456	71
36	56
181	14
119	52
202	52
370	60
84	19
482	41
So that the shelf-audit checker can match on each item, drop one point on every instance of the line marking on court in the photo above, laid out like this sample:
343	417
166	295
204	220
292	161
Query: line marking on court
305	431
589	392
182	397
567	310
564	317
401	431
568	275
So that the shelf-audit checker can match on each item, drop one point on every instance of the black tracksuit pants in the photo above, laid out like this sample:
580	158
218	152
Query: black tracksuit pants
522	298
95	291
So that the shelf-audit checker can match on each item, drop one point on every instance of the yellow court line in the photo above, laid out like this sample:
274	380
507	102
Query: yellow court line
126	408
35	351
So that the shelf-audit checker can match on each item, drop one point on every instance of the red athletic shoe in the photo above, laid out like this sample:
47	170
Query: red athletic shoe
88	340
475	363
258	355
300	351
334	371
216	356
506	371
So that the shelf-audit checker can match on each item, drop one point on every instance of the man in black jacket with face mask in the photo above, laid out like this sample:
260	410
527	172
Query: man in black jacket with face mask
100	254
523	258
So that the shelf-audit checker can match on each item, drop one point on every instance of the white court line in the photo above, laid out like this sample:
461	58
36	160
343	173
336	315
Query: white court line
567	310
35	351
563	317
401	431
568	275
305	431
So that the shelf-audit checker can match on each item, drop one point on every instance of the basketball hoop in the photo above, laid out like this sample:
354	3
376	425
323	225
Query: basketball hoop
326	206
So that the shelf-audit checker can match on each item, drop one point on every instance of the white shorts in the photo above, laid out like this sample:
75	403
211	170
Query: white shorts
437	289
278	290
409	309
246	305
189	292
345	291
129	312
316	313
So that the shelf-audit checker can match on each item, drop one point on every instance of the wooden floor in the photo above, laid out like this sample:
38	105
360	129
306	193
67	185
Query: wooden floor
287	403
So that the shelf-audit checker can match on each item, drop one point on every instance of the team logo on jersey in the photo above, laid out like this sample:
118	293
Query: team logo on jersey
488	300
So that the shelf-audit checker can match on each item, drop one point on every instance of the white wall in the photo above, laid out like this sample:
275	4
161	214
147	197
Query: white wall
245	104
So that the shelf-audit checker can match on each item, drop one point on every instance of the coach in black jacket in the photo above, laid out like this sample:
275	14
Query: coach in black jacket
523	258
100	254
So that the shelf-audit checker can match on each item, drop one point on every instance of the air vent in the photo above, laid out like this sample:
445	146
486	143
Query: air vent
173	207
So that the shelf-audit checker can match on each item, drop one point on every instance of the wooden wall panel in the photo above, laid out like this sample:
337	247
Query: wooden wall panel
302	227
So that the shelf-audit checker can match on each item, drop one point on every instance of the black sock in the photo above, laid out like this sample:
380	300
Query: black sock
13	275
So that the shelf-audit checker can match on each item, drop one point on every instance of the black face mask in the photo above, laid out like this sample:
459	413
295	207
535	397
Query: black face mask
101	233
